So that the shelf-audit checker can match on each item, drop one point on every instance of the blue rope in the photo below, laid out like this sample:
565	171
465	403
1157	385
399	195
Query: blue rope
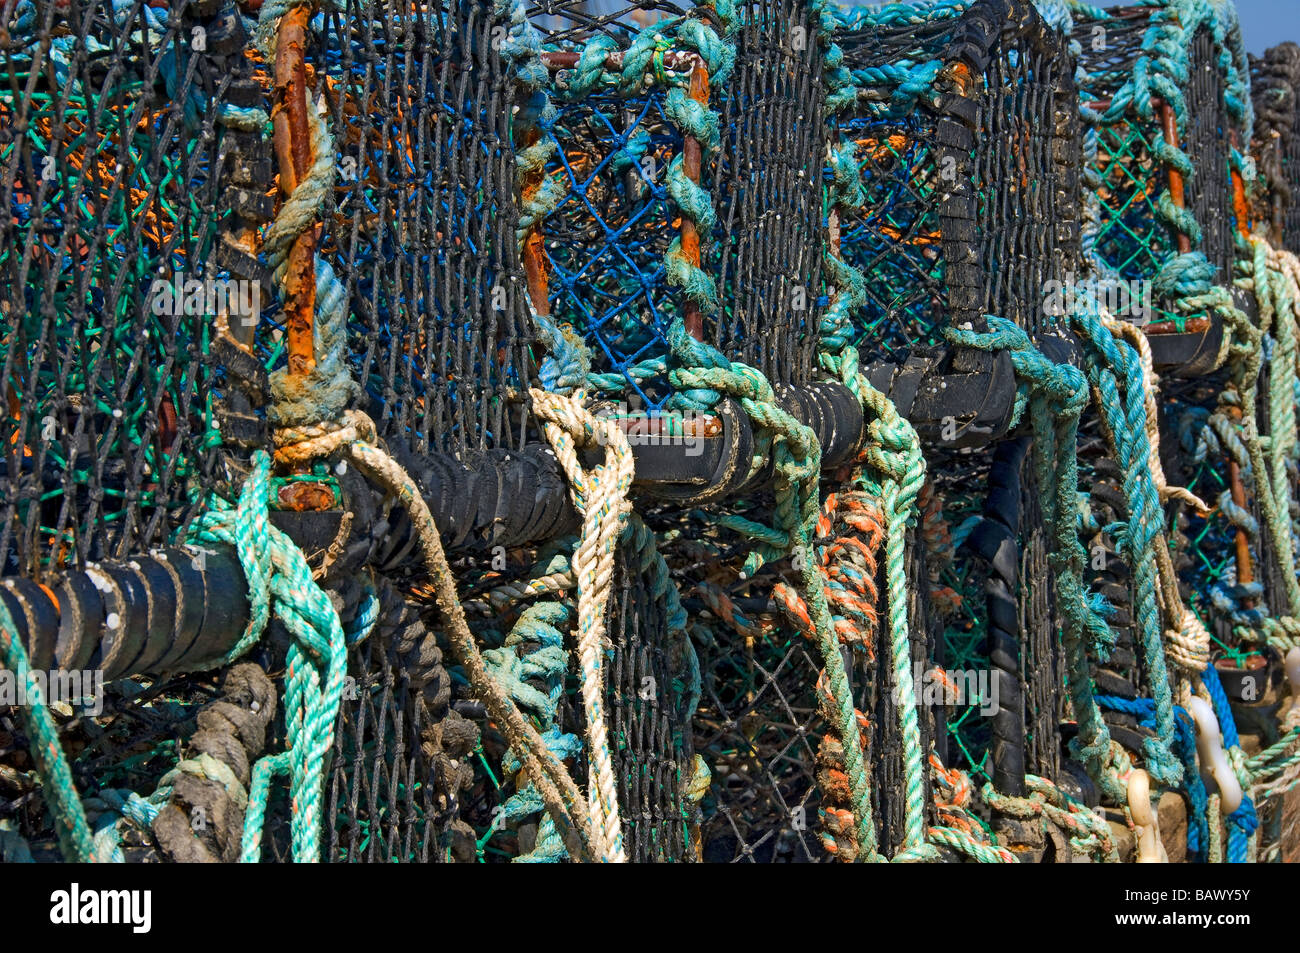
1144	709
1243	821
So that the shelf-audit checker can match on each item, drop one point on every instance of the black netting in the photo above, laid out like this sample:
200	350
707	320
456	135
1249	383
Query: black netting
423	229
1026	176
1274	87
111	185
767	193
758	727
1041	665
956	181
401	756
649	698
1209	141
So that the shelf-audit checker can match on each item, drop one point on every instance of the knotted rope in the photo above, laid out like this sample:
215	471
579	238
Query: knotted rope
600	495
1089	834
1055	395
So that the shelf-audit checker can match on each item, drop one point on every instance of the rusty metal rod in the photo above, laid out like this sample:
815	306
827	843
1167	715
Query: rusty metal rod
1177	188
293	153
534	255
702	425
676	61
692	159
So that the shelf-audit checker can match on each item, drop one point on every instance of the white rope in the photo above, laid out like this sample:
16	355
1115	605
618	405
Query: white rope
600	495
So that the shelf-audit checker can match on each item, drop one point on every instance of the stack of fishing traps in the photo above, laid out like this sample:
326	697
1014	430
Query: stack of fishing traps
762	431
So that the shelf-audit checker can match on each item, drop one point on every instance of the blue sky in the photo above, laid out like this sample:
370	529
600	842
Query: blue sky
1264	23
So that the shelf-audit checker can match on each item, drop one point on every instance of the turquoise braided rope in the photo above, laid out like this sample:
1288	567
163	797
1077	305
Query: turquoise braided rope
1108	363
894	451
317	661
57	786
1273	466
1056	395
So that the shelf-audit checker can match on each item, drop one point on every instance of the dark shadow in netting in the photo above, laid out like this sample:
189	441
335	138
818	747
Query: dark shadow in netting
1275	95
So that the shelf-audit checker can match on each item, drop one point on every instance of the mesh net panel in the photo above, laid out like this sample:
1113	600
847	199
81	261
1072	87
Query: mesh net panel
1025	166
908	171
649	720
606	240
758	728
400	757
109	180
1131	237
422	234
951	181
604	243
767	194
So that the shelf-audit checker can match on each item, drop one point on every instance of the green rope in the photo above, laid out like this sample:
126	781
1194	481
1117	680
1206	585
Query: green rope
279	577
75	838
1056	395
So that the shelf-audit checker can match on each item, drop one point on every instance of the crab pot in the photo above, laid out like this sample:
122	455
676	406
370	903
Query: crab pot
1131	178
109	280
1130	174
952	167
950	176
602	255
1274	92
137	382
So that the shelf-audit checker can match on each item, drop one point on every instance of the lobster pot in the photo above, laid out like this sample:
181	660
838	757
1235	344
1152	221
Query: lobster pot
422	229
956	165
613	142
954	175
1274	87
1129	173
111	276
